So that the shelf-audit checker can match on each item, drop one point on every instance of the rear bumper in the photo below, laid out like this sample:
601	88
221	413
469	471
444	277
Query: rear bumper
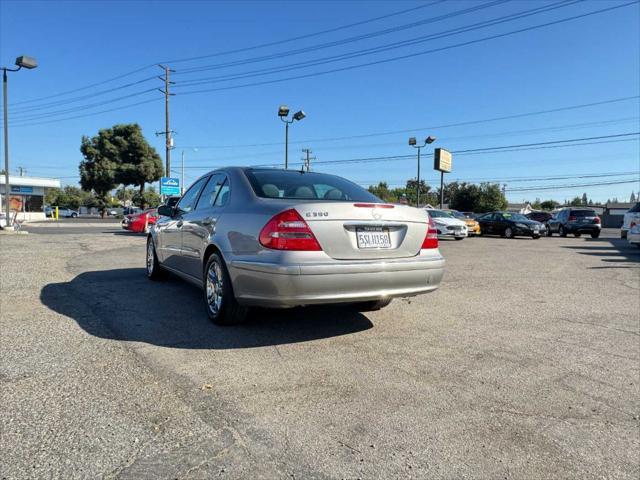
289	285
589	228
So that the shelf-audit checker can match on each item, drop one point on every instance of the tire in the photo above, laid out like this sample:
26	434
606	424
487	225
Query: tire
372	305
508	232
219	301
459	238
153	268
536	237
74	215
595	234
623	234
549	232
561	231
577	235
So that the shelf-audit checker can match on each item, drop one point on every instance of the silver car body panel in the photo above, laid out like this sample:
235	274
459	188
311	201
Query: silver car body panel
341	272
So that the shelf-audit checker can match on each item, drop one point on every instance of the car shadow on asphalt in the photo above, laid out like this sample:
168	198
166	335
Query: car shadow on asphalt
610	250
122	304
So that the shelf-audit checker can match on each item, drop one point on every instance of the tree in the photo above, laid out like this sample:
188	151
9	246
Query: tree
549	204
125	195
632	198
99	167
382	192
576	202
485	197
585	199
147	199
139	163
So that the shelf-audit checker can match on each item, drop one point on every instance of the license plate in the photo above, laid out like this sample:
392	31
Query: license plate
373	237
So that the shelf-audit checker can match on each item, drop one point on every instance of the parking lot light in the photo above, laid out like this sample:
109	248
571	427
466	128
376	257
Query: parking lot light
414	143
283	113
21	62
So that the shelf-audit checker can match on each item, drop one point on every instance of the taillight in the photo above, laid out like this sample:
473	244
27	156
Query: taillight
572	218
288	231
431	239
597	220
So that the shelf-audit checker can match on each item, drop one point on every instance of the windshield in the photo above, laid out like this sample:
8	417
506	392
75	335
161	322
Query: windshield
293	184
439	214
583	213
456	214
516	217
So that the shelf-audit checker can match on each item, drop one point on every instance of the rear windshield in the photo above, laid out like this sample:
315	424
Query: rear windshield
583	213
293	184
635	208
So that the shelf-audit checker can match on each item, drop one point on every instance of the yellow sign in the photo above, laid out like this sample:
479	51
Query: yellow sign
442	160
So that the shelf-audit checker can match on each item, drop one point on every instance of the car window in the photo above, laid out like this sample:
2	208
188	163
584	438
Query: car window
635	208
188	200
583	213
210	191
292	184
223	195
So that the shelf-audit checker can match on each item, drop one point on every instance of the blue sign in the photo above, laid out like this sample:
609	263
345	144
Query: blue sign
20	189
169	186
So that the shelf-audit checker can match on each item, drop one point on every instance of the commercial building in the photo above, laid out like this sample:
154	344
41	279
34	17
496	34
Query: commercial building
26	195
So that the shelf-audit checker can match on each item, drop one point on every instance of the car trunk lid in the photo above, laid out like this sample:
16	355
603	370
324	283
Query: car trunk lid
357	231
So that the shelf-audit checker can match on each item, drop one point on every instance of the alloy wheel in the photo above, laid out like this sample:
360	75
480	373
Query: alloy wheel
214	288
150	257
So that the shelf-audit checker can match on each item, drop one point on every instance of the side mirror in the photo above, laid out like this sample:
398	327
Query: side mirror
165	211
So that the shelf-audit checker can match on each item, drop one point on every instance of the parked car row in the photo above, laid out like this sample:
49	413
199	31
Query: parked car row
63	212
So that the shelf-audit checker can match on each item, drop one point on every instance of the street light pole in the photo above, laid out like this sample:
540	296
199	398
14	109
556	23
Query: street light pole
28	63
7	188
286	144
182	174
414	144
283	113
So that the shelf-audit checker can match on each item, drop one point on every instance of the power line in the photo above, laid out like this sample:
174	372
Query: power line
517	179
82	97
432	127
239	50
347	40
576	185
301	37
411	55
86	87
86	114
378	49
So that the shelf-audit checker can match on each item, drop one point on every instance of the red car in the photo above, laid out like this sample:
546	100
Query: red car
140	222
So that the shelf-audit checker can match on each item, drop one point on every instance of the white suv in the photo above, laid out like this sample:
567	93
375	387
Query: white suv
631	218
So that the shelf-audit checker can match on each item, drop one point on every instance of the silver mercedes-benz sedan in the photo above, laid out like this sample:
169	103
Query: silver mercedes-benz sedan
284	238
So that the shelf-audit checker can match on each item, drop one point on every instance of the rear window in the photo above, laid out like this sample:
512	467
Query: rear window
296	185
635	208
583	213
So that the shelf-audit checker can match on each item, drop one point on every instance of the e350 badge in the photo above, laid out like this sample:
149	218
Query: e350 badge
317	214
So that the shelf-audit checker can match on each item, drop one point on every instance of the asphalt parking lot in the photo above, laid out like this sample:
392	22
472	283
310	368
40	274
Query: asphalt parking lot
524	364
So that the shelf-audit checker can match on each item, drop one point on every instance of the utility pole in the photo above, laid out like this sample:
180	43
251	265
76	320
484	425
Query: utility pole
167	131
307	159
182	174
22	171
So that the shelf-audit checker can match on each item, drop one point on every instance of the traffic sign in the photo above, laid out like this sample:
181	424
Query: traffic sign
169	186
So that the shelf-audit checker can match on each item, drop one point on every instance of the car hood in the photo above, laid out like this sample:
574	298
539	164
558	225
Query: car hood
449	221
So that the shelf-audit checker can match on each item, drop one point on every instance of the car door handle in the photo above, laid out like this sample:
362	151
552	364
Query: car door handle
208	221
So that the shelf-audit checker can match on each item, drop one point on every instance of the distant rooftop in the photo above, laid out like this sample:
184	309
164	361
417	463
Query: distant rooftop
32	181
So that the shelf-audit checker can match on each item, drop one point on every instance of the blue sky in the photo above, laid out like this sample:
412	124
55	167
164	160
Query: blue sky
586	60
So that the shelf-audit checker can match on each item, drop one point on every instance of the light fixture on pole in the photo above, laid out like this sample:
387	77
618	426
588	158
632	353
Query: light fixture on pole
283	113
414	143
21	62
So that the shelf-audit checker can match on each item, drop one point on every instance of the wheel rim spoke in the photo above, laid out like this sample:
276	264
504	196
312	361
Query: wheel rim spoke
214	288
